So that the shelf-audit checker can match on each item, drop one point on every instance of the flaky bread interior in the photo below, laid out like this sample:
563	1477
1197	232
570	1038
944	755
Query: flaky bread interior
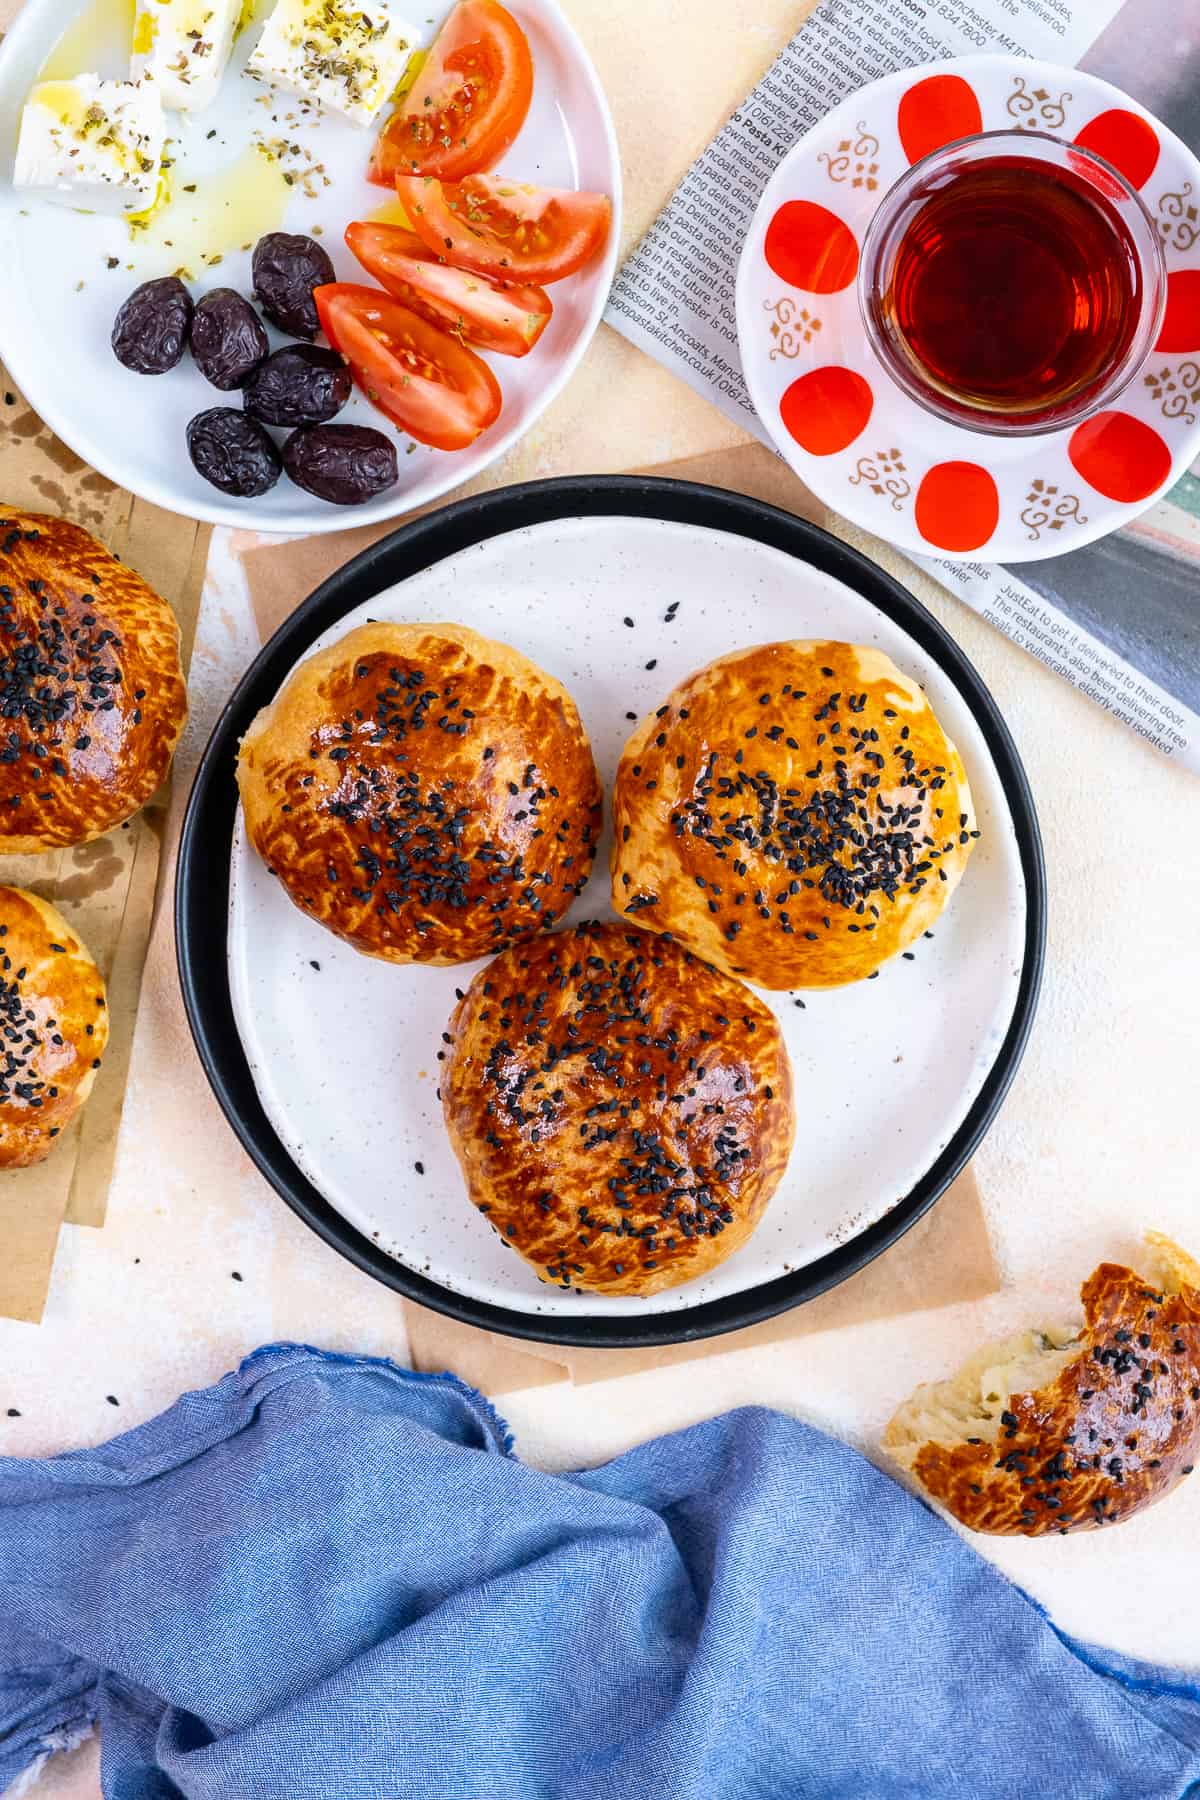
970	1403
1173	1267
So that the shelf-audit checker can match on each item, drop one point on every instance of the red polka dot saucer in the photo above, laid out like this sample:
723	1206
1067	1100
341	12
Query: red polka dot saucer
851	433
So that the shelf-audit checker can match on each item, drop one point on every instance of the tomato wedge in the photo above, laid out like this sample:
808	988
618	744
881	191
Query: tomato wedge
489	313
427	382
468	102
506	228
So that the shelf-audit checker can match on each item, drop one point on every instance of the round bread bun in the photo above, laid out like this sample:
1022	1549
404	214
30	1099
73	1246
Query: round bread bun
92	696
793	812
1068	1430
622	1112
53	1026
428	795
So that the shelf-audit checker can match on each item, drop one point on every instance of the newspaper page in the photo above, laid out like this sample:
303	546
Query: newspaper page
1119	619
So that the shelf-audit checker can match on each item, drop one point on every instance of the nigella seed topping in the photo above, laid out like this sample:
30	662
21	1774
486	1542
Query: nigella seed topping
439	834
588	1059
831	826
57	665
22	1041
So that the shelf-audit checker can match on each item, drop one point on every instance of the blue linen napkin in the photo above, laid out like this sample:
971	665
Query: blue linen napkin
327	1578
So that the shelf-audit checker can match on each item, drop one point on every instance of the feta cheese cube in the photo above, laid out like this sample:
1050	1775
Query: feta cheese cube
183	47
345	56
93	144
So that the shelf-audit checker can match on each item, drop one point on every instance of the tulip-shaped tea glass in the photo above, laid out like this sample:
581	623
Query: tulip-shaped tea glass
1012	283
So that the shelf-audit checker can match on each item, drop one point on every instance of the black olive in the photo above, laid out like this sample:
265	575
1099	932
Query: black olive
342	463
151	328
286	267
228	339
233	452
300	385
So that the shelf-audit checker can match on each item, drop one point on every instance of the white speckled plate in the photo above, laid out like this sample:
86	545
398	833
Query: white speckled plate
891	1075
59	294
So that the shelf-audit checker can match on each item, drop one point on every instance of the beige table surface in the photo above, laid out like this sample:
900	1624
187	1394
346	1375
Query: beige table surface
1098	1138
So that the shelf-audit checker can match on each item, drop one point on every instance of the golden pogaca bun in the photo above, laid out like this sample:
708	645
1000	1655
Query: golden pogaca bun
428	795
621	1111
793	812
1068	1429
92	695
53	1026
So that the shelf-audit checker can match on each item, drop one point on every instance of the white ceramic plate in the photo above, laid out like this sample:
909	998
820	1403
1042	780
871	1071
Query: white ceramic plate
343	1050
58	297
930	487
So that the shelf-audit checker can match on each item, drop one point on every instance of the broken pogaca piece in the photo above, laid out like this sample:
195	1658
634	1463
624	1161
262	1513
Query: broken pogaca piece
1067	1430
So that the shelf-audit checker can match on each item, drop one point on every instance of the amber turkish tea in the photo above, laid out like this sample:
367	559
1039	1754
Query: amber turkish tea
1015	288
1012	286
